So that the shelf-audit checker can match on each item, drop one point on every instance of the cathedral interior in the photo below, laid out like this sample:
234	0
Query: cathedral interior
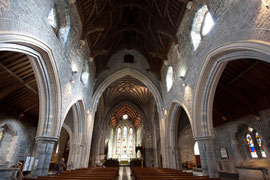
168	86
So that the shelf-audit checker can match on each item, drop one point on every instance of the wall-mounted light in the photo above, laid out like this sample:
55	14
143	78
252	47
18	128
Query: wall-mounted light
266	3
72	79
183	79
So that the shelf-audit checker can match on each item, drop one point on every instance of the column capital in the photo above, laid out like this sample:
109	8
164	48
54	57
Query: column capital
202	138
46	138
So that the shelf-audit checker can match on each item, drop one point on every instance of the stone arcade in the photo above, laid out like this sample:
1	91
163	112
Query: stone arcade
179	84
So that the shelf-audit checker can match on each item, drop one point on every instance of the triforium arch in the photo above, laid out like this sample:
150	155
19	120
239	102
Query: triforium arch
209	76
77	135
46	74
173	154
210	73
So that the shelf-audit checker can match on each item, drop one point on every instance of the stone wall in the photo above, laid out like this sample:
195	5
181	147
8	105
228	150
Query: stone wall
226	136
29	18
17	141
234	21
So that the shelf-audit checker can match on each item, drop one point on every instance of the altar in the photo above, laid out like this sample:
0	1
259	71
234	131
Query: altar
124	159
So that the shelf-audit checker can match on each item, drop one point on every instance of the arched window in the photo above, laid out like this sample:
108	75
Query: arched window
196	149
202	25
85	73
124	140
169	78
255	146
118	145
130	149
251	146
52	18
259	141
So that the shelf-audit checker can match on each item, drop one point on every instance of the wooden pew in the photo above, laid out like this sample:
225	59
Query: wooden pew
84	173
164	174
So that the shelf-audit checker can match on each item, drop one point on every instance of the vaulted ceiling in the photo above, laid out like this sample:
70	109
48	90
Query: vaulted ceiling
132	114
243	89
127	88
148	26
18	87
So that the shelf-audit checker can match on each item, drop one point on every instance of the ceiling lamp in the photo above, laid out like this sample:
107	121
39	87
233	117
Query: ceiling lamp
125	116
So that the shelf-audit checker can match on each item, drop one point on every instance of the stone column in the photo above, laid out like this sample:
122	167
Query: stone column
207	156
171	157
43	153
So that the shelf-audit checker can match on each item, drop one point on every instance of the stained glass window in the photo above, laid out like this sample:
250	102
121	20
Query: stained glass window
130	141
124	140
52	18
259	141
251	146
118	145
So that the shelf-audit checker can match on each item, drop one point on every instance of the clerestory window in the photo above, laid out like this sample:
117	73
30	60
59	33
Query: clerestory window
202	24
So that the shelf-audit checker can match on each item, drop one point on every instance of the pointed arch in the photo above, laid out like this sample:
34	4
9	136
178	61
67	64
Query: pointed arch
122	73
209	75
46	73
176	108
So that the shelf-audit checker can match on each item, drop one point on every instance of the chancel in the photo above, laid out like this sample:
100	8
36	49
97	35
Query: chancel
135	89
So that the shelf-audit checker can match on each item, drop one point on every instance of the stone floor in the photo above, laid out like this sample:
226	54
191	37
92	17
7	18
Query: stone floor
124	173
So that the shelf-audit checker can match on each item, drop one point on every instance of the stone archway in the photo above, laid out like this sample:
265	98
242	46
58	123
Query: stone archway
44	67
210	73
173	154
77	133
208	79
135	74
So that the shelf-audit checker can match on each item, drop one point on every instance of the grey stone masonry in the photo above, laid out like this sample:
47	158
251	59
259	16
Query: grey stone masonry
42	152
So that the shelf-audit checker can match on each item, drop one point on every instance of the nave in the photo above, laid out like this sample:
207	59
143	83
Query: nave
173	86
124	173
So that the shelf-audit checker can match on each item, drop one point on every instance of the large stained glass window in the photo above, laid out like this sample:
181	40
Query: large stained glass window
130	137
259	141
251	146
118	145
124	140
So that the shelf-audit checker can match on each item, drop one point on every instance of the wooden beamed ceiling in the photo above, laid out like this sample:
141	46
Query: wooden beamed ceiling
132	114
147	26
243	89
18	88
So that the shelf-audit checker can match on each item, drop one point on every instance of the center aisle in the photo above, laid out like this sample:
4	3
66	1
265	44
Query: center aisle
124	173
